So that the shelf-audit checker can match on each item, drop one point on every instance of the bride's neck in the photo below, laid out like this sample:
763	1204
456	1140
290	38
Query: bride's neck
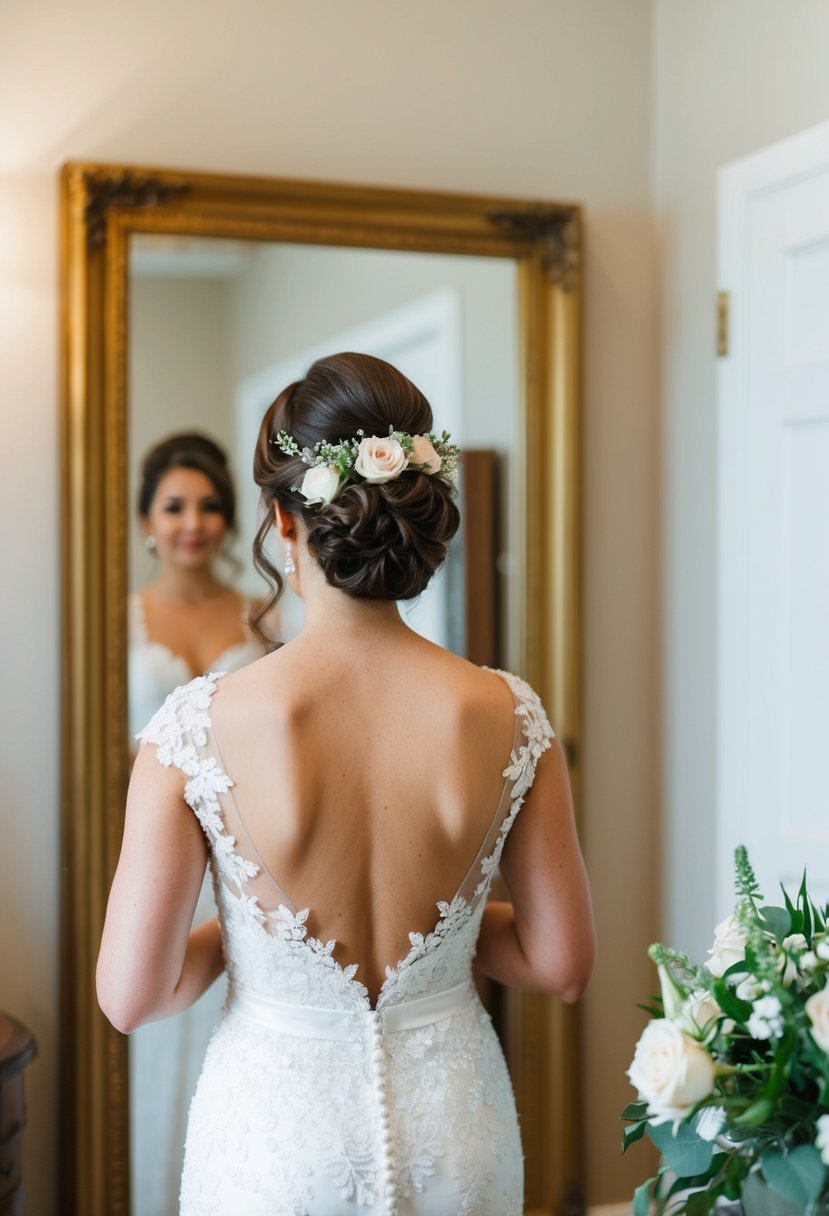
330	610
195	586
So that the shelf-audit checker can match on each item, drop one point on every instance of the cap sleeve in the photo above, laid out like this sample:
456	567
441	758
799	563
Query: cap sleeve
535	728
179	728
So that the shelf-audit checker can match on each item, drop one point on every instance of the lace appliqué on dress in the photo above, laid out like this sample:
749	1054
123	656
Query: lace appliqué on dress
291	1121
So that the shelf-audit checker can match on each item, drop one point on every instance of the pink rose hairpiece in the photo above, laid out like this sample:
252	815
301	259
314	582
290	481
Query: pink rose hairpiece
369	458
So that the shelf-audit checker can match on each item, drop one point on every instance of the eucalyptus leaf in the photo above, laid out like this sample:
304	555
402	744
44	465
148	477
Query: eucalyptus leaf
797	1176
686	1153
778	920
642	1198
758	1199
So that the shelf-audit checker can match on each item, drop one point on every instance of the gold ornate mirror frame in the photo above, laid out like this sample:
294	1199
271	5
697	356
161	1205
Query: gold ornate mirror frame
102	206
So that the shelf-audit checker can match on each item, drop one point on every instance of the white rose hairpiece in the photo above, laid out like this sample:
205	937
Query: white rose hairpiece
332	466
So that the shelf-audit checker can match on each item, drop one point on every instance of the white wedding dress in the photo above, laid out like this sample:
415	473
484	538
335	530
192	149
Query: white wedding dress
310	1101
165	1058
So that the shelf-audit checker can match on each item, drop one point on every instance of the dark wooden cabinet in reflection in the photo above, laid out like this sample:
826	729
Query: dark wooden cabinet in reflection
479	513
17	1049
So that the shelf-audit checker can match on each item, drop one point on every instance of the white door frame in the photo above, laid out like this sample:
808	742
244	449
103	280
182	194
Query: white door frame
786	163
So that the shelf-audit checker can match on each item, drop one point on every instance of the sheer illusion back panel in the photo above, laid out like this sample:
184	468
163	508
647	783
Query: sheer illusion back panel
369	878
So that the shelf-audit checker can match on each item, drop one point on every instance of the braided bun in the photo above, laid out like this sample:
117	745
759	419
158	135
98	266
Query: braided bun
374	541
385	542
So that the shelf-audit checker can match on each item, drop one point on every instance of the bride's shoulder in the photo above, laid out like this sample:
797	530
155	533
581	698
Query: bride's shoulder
183	718
490	683
520	689
527	704
254	691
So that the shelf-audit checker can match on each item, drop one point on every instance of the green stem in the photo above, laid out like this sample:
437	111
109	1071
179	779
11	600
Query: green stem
736	1070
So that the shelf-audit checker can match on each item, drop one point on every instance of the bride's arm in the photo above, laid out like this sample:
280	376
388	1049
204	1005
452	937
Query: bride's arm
544	939
150	964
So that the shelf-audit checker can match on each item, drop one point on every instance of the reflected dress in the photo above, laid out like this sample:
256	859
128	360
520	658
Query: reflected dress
311	1102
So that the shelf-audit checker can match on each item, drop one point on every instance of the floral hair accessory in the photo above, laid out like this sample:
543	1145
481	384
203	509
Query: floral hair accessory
369	458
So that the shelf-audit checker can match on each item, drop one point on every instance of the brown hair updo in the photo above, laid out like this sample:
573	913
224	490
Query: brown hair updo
187	450
373	541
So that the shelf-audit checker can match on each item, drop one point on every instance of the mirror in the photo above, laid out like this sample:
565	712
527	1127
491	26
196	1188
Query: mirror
217	329
190	302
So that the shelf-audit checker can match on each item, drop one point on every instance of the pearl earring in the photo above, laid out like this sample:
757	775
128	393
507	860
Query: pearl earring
149	543
290	565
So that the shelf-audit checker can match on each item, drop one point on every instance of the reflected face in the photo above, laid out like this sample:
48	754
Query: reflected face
185	519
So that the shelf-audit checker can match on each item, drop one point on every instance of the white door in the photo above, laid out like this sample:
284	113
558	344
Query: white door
773	652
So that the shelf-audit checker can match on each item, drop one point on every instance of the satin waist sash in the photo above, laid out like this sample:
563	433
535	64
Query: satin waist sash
347	1025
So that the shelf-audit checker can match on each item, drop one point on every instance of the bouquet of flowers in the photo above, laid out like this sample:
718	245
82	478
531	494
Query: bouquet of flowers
733	1069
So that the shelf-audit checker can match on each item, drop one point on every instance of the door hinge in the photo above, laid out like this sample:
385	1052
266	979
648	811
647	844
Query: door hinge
723	304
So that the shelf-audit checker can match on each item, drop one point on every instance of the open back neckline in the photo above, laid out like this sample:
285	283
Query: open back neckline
300	914
184	735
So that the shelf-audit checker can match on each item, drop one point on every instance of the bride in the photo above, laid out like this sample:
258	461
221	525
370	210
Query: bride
354	793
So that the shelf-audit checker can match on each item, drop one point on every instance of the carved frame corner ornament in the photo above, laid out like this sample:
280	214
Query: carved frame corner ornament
557	231
103	208
121	188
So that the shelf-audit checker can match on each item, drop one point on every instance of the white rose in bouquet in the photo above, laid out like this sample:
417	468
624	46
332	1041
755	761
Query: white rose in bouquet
795	944
729	946
698	1016
817	1010
670	1071
822	1138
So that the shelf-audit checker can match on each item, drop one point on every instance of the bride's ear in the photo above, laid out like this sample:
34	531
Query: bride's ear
285	522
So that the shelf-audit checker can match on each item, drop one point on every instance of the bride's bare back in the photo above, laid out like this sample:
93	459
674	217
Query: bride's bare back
367	771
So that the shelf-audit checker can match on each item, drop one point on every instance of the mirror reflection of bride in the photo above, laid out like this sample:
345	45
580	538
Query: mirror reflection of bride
186	621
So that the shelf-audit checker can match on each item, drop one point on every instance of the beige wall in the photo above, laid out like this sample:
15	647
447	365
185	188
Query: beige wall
179	377
729	79
543	98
